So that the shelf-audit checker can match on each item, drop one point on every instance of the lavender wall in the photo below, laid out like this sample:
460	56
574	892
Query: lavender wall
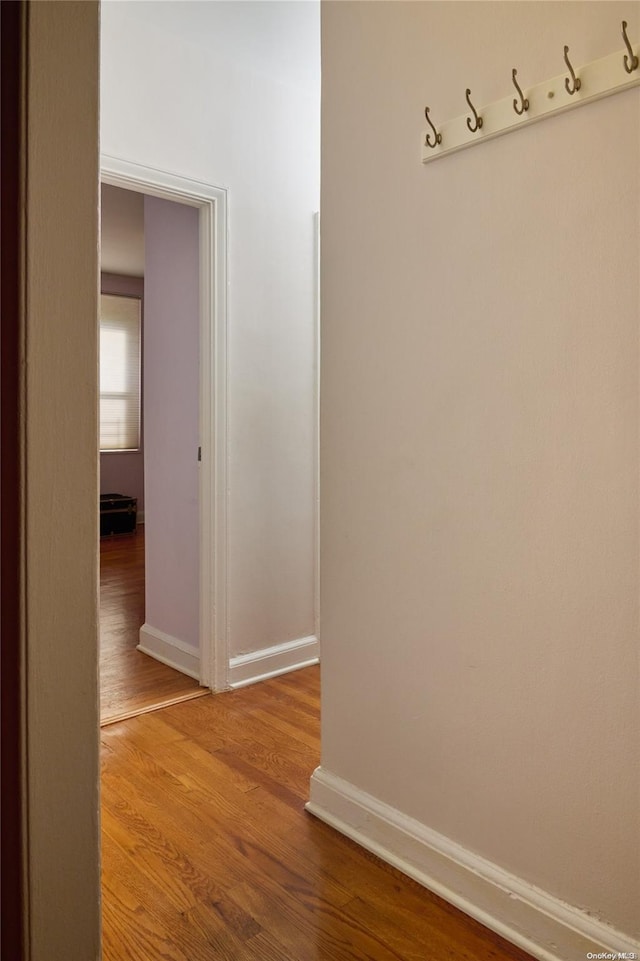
171	418
123	472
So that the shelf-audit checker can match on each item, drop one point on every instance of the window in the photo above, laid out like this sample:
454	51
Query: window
119	373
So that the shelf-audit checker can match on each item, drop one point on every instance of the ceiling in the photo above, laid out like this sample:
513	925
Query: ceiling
122	232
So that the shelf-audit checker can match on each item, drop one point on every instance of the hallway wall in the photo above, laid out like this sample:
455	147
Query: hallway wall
480	450
228	94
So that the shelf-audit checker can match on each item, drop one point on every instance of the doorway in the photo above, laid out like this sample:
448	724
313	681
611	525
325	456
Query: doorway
184	443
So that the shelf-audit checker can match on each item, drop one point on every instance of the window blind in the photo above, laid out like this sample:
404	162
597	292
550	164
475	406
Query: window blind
119	373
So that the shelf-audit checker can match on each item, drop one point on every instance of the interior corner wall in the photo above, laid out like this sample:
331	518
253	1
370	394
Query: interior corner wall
171	416
230	96
123	471
479	521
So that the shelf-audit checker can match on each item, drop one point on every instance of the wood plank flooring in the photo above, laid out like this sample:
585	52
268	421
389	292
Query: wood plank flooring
130	681
208	854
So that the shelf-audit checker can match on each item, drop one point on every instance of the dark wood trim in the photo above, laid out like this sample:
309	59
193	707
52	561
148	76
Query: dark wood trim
12	35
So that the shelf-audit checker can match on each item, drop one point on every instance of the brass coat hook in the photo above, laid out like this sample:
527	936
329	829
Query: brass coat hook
524	103
576	83
437	136
631	61
477	119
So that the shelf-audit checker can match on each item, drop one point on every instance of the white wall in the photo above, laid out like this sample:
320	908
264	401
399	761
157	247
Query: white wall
171	348
480	445
228	93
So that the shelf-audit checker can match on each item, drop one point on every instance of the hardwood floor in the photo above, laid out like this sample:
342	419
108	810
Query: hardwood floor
208	854
130	681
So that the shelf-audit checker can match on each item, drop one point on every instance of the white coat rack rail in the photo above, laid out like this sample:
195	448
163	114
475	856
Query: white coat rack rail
593	81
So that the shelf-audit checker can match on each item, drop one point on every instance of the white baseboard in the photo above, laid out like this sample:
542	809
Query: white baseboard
536	921
170	651
280	659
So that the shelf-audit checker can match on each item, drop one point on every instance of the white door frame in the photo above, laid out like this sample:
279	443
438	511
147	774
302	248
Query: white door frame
211	202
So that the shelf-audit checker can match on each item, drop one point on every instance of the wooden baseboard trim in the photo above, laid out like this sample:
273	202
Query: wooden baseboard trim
170	651
280	659
150	708
532	919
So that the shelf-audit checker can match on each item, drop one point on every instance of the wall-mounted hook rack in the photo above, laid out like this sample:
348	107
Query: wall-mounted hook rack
592	81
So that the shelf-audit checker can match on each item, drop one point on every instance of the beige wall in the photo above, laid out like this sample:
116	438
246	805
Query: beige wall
61	488
480	443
